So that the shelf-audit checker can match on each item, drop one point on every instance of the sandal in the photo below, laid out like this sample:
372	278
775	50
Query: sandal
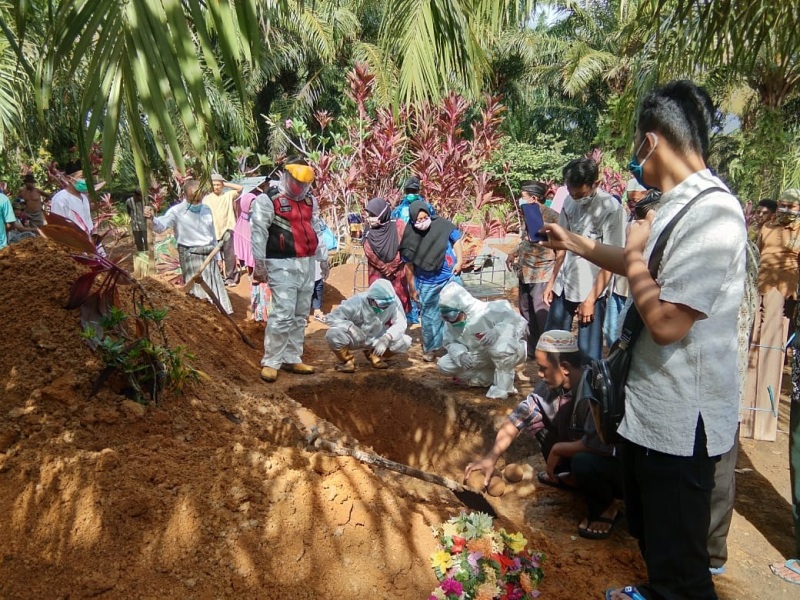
599	535
629	591
544	479
793	565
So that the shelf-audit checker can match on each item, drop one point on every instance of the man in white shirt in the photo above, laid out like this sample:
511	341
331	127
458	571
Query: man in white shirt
577	287
193	225
682	393
221	205
72	203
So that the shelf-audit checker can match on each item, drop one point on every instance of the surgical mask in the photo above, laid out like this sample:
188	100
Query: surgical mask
423	225
635	167
80	186
524	201
195	208
459	324
585	200
373	222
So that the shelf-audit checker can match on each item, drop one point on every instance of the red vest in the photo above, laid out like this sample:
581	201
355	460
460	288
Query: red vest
291	234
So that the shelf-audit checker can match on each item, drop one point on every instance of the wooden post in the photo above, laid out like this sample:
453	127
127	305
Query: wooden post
765	369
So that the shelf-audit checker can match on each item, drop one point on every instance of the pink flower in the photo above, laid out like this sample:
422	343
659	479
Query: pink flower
451	586
288	124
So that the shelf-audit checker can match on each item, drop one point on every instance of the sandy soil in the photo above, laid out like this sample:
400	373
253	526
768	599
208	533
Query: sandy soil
216	494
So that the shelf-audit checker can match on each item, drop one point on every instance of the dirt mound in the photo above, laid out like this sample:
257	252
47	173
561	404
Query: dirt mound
213	494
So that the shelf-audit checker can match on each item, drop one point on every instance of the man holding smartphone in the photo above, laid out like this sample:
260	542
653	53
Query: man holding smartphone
576	287
533	264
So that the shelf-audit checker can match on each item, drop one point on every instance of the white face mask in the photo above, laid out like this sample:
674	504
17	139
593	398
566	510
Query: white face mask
423	225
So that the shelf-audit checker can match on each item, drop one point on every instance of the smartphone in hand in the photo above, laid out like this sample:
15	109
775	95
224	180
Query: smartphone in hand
534	222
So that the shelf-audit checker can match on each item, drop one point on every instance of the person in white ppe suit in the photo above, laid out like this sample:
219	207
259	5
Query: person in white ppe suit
373	321
485	341
286	240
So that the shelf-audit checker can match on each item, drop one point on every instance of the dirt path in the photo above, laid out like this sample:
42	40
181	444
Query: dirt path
215	494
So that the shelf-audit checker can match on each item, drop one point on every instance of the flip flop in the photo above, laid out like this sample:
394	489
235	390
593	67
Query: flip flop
793	565
629	591
559	483
591	535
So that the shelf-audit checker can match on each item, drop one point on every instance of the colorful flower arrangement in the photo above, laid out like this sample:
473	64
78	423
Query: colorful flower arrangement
475	562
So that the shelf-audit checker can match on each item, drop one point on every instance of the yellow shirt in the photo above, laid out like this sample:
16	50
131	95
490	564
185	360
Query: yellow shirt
222	210
779	246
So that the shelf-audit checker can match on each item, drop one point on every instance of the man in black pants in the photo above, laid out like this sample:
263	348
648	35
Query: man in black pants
682	396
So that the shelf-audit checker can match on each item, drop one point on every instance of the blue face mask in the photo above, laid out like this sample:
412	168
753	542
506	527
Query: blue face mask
195	208
635	167
459	324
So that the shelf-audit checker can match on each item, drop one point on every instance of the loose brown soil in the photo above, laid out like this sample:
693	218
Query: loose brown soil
216	494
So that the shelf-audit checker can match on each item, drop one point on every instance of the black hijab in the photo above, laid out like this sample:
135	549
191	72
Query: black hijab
425	249
383	238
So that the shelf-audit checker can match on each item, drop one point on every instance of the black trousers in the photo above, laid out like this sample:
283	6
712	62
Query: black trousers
722	499
599	477
668	504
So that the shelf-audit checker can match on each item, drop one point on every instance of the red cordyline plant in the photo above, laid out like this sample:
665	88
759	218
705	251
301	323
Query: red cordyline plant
451	166
371	153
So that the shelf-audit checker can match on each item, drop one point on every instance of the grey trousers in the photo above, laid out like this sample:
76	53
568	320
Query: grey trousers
229	258
533	309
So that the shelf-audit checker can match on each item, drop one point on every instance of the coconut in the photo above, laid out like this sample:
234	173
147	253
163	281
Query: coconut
513	473
496	486
475	480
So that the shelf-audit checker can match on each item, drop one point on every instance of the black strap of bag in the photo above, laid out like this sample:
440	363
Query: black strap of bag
633	324
604	380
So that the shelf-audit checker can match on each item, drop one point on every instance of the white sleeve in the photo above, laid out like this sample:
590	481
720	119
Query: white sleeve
614	227
164	222
699	257
319	227
261	216
58	206
399	323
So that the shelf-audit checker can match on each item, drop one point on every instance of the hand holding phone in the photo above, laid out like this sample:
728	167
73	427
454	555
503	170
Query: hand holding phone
534	222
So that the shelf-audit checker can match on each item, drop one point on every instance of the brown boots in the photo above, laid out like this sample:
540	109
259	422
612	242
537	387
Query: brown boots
376	361
347	364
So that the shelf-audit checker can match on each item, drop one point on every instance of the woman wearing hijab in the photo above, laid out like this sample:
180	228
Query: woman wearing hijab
431	250
382	249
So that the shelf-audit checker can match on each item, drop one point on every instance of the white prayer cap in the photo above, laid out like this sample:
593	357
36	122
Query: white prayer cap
557	340
635	186
217	177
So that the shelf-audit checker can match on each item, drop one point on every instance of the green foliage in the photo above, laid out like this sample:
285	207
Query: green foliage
150	369
760	161
541	160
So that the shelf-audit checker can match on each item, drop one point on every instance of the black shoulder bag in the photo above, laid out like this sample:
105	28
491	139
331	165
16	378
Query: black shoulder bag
603	381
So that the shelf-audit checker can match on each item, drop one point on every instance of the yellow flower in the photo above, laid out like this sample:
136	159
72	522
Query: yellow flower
525	582
516	542
491	574
441	560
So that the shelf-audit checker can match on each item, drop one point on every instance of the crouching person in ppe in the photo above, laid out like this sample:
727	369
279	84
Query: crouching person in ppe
485	341
286	233
373	321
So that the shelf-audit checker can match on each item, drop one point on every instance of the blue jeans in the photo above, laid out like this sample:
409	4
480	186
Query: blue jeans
316	297
590	336
432	324
612	323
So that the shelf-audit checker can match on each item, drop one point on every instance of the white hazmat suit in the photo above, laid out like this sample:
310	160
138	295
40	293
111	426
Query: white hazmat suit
291	281
486	345
374	321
